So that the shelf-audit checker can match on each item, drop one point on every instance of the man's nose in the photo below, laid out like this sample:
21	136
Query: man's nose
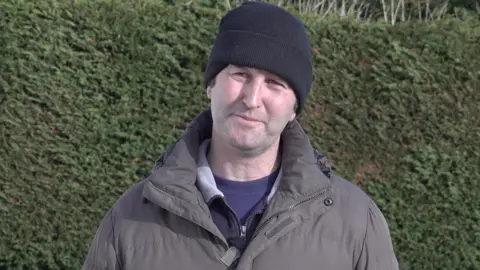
252	93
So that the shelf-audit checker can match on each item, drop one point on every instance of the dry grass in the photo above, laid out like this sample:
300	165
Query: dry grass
392	11
389	11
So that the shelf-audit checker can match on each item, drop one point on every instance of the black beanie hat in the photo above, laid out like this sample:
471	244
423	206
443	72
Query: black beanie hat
264	36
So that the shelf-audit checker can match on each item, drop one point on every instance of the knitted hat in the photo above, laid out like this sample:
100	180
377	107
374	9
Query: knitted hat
264	36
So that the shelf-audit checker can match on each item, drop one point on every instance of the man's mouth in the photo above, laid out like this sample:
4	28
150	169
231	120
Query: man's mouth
247	118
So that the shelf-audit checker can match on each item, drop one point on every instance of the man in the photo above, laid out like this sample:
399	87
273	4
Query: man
243	188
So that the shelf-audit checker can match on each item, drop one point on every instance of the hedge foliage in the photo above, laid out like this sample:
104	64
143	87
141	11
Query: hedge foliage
92	93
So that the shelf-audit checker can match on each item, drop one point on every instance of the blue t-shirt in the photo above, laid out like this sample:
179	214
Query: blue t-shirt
242	197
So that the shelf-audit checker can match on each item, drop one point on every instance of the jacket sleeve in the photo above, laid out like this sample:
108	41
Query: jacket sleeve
102	253
377	251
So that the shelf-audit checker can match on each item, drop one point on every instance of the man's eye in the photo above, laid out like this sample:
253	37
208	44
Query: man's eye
275	82
241	74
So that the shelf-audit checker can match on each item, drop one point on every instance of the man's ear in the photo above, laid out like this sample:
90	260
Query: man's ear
209	92
293	117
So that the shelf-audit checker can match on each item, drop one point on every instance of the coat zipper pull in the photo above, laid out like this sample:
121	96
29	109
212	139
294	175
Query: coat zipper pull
243	231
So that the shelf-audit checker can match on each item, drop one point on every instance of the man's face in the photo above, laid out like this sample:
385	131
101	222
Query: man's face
250	107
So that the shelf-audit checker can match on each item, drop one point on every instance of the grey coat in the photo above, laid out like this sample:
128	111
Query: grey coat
314	219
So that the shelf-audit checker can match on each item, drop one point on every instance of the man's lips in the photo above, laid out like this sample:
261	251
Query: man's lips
247	118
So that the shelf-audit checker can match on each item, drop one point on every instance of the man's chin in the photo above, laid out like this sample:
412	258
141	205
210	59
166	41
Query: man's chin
248	147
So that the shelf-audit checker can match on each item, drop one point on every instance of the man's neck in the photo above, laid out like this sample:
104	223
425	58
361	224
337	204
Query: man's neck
233	165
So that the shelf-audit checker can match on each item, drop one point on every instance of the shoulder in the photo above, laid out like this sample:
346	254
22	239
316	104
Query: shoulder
132	214
350	196
129	203
369	229
349	192
353	205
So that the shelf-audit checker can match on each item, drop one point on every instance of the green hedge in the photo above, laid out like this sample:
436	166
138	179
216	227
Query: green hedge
92	93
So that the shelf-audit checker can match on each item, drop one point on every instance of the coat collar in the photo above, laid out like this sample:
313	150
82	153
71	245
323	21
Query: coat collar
176	171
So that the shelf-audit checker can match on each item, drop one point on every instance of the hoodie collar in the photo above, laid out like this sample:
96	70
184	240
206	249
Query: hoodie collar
206	181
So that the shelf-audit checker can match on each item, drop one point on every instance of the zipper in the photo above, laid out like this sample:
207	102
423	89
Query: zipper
248	221
264	224
237	222
243	231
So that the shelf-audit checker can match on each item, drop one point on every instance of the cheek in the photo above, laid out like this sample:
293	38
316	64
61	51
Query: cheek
221	103
281	112
226	98
281	106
